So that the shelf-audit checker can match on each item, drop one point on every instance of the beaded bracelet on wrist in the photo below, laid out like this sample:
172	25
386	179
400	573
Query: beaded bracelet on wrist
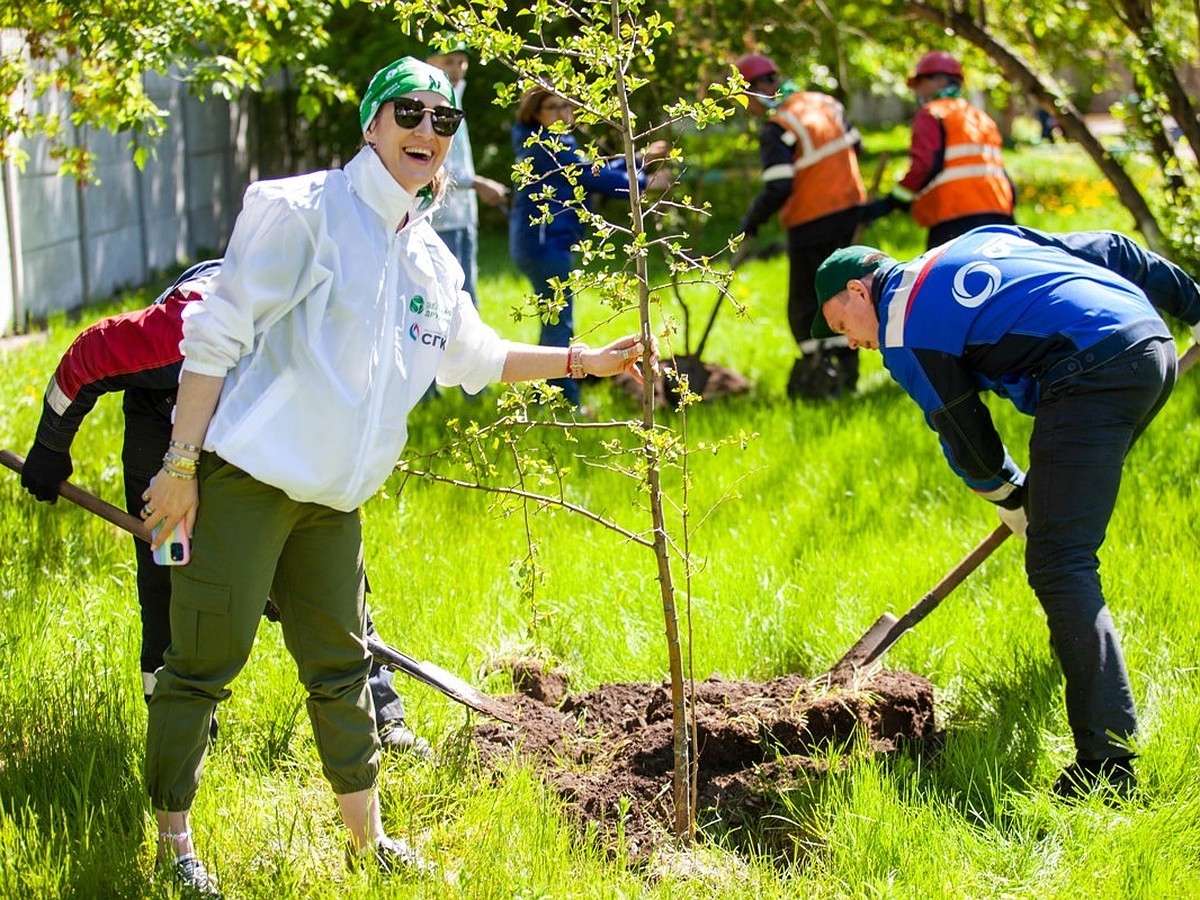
183	462
187	448
575	361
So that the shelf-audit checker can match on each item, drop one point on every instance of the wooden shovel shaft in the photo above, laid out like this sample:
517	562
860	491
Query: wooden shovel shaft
953	579
427	673
888	629
1188	359
90	502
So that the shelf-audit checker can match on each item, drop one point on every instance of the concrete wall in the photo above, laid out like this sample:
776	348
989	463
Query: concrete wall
65	244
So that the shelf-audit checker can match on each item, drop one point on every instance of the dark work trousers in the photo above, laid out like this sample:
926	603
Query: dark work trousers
952	228
147	433
806	252
1086	421
539	270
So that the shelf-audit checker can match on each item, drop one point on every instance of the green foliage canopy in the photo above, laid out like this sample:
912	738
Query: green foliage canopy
98	52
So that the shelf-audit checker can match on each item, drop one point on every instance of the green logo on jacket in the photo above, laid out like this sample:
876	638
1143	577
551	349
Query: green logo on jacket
417	303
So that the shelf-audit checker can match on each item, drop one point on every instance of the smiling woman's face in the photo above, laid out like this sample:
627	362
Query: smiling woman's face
555	109
412	155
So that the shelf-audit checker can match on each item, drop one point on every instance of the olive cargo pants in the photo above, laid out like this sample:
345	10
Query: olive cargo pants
252	540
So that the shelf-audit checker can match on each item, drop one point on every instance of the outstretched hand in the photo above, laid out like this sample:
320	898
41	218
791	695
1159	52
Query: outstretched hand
656	151
625	354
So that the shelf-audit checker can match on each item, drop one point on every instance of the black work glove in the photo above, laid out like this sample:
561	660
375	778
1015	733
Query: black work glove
876	209
44	470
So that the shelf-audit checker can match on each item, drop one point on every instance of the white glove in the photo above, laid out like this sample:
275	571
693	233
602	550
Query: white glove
1015	519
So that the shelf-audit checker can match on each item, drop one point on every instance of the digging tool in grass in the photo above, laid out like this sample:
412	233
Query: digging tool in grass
888	629
427	673
689	365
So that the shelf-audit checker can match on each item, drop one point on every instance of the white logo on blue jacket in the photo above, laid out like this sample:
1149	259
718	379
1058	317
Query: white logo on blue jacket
985	278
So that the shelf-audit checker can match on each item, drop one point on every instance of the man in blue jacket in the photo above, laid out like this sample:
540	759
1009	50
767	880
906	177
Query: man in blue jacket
1065	326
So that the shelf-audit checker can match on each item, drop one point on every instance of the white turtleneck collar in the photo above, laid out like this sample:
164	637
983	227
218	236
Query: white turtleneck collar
372	182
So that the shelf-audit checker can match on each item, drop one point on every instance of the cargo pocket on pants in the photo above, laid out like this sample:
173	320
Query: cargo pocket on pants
199	618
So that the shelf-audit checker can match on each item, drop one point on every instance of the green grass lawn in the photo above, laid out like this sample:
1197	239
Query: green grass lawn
819	520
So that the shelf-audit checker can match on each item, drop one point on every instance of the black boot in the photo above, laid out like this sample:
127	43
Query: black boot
1112	778
813	377
846	362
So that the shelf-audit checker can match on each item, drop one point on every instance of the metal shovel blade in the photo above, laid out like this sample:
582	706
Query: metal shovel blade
436	677
888	629
863	652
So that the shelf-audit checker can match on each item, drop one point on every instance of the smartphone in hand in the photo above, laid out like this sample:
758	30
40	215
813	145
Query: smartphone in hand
176	550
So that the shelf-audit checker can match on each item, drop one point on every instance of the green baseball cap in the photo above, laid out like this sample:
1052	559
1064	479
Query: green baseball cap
840	267
402	77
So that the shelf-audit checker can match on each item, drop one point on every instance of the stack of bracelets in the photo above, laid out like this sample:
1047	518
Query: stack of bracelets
575	361
181	460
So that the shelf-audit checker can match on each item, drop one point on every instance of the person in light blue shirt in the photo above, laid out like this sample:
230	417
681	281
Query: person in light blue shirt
456	220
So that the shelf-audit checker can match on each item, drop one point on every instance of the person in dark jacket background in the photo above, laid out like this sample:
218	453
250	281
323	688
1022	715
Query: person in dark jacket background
1064	327
542	249
138	354
809	154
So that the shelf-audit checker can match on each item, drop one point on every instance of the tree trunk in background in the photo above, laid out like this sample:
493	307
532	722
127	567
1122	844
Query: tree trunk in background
1138	18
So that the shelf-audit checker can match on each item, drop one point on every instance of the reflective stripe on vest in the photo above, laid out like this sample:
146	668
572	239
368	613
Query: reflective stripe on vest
973	180
824	169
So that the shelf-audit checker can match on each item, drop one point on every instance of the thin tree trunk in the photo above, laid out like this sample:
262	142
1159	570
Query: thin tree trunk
1020	73
682	776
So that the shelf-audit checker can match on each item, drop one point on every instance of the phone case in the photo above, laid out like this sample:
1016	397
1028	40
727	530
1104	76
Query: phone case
176	549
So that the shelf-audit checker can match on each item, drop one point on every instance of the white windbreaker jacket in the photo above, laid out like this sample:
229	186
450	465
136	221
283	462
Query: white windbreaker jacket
328	326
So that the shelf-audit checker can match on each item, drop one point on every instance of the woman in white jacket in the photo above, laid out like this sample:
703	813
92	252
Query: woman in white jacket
336	308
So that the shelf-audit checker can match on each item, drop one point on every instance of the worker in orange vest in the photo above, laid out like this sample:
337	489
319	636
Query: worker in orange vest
809	154
956	179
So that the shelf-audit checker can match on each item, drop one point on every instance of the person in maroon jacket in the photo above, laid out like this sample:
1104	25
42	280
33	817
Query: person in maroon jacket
138	353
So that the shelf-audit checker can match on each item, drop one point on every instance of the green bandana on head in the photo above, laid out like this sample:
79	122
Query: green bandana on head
404	76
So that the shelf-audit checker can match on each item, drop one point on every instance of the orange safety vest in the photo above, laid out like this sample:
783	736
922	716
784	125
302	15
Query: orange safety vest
824	169
972	180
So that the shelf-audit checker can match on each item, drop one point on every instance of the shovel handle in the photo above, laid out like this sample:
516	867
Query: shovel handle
88	501
887	629
1188	359
953	579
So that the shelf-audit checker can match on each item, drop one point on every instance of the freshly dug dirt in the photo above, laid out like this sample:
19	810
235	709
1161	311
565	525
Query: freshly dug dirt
716	382
608	752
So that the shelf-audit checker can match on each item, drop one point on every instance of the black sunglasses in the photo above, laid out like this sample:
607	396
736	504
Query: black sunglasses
409	112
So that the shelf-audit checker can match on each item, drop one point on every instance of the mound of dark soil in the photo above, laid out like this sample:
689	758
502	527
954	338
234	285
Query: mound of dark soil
709	380
608	752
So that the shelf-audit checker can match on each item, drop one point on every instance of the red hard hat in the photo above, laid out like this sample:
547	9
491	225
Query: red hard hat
755	65
936	62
